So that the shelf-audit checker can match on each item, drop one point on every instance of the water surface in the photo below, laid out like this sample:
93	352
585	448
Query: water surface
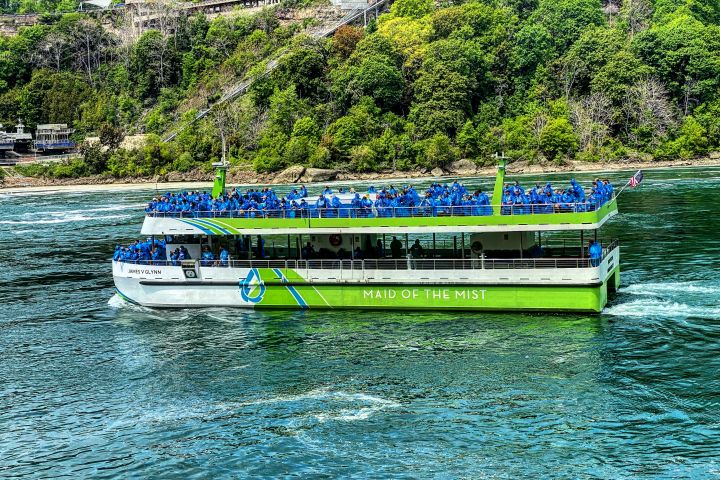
91	387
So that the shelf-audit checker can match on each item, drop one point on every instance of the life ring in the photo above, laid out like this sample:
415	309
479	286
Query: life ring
335	240
476	247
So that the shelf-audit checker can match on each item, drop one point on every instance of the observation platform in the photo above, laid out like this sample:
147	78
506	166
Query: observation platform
440	219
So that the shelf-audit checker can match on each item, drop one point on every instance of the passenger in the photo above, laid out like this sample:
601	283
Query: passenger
336	205
379	249
175	257
395	247
356	205
608	188
308	252
417	250
327	190
303	191
207	257
118	253
260	247
224	257
184	253
358	253
594	252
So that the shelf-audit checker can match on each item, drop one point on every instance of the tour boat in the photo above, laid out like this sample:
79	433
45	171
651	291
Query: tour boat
500	259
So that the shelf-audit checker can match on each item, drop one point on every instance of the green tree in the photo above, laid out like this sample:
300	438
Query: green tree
411	8
557	139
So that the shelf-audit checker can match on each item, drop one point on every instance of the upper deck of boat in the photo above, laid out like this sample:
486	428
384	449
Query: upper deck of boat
472	218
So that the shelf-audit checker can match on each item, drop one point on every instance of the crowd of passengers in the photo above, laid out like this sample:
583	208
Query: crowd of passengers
548	200
154	252
437	200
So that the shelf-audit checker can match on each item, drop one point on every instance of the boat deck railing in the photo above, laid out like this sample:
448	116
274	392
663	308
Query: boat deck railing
408	263
387	212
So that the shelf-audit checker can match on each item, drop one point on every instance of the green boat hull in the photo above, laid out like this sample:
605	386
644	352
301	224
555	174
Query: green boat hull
287	289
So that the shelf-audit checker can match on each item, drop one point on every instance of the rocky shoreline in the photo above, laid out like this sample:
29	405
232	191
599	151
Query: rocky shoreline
300	174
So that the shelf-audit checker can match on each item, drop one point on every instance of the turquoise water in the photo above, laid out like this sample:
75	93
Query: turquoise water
91	387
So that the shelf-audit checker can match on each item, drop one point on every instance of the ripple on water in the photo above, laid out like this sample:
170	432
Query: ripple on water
93	386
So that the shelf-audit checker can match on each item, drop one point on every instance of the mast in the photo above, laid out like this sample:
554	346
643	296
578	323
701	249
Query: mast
219	185
499	182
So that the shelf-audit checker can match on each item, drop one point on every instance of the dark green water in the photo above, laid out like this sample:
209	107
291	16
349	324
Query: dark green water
93	388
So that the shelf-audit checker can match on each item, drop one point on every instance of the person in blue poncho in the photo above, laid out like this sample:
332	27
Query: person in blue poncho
303	191
118	253
321	204
207	259
595	253
608	188
356	205
327	190
507	202
224	257
336	205
156	257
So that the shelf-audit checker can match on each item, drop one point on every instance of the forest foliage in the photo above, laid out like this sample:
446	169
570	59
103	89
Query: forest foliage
424	85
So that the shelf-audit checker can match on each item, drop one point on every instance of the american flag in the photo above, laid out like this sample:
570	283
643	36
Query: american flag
636	179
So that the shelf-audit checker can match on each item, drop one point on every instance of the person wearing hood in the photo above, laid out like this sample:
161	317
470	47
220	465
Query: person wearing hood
207	257
321	205
118	253
595	253
335	205
303	207
156	257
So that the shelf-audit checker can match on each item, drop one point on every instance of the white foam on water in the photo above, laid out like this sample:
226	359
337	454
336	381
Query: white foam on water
117	302
367	404
672	287
63	219
375	404
654	308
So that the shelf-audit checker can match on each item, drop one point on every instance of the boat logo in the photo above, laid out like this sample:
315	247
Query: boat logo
252	288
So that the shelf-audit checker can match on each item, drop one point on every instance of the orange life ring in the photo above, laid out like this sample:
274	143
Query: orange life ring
335	240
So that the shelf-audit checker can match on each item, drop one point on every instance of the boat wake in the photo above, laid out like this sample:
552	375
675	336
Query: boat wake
655	308
678	288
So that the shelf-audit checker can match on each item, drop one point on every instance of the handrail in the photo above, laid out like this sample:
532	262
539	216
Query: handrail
409	263
385	212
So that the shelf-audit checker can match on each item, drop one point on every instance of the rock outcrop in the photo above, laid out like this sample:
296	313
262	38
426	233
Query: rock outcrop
462	167
290	174
318	175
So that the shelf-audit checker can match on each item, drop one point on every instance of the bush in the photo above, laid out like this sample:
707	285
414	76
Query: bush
268	160
438	152
183	163
558	138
